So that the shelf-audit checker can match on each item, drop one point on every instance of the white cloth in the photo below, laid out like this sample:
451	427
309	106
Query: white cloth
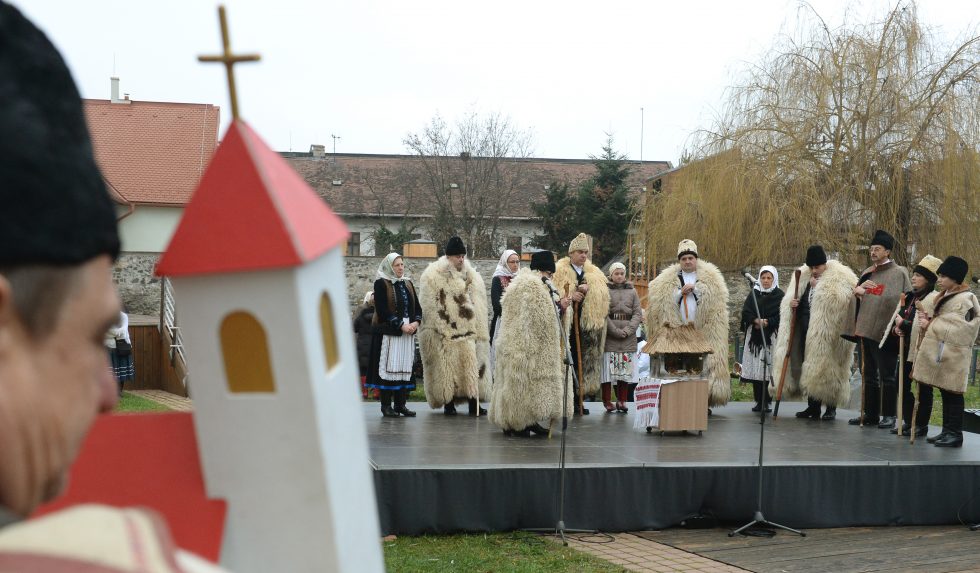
647	401
121	330
641	365
385	270
752	364
691	300
397	356
617	366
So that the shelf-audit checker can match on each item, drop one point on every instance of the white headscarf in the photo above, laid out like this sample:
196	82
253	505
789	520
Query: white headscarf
775	279
386	272
502	269
367	297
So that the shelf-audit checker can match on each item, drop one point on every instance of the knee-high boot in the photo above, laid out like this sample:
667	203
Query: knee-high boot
607	397
622	393
952	421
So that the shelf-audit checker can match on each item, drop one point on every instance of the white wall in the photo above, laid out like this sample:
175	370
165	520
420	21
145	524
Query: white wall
148	229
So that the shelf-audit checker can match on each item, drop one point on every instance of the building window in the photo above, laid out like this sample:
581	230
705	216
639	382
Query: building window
330	353
354	245
515	243
245	351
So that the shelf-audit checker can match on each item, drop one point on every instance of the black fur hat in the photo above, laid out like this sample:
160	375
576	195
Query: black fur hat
954	268
884	239
455	246
543	261
815	256
56	208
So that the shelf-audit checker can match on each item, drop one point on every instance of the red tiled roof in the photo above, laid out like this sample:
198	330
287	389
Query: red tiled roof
152	152
366	178
250	212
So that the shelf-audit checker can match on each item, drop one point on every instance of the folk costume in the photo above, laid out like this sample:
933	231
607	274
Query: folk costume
706	307
625	316
871	314
755	354
529	379
392	350
587	347
903	317
820	360
502	276
942	353
455	336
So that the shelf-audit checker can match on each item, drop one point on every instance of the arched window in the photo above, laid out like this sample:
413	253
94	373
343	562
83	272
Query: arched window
245	350
330	353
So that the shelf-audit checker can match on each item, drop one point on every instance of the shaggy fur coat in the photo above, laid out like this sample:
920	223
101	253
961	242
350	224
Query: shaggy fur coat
454	336
943	358
592	323
529	373
711	319
824	374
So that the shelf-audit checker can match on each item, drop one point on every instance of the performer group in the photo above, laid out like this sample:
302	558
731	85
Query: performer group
562	333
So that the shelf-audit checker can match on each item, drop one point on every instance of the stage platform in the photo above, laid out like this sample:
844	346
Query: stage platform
439	474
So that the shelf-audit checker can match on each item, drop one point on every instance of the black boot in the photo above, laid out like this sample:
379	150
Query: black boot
473	406
952	421
812	410
887	422
401	397
386	409
538	429
830	414
449	409
941	435
757	395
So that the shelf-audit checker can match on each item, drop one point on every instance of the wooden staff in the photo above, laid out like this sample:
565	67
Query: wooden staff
578	354
901	372
918	398
789	346
861	354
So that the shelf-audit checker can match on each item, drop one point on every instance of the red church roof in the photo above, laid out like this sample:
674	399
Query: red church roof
251	211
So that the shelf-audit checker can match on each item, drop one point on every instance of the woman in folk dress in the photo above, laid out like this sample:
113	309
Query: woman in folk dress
625	316
761	327
396	319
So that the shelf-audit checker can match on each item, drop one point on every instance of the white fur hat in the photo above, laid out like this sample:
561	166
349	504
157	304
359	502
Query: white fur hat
579	243
687	247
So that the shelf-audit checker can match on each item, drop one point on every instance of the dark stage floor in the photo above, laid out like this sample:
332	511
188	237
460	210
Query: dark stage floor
823	474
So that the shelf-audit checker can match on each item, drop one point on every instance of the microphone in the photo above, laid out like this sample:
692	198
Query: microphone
751	278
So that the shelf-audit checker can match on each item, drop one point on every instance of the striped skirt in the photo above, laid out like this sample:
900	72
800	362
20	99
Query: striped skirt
122	366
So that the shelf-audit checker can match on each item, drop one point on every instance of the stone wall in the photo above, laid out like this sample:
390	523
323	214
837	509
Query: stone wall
139	289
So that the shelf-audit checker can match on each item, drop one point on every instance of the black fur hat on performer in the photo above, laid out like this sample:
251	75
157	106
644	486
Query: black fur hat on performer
455	246
884	239
954	268
543	261
56	208
815	256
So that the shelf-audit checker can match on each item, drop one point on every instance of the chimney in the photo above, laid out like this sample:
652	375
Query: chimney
114	92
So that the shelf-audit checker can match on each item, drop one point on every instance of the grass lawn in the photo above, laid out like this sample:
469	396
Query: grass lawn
133	403
498	552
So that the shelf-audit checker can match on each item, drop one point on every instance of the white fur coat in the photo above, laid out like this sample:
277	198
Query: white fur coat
454	337
711	319
529	372
825	372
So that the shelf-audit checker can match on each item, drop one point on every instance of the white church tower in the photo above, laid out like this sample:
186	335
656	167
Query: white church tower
257	268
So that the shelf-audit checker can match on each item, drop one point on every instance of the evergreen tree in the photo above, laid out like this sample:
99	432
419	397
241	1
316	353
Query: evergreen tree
603	207
558	218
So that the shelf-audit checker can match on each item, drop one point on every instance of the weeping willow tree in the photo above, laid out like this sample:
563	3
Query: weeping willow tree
836	132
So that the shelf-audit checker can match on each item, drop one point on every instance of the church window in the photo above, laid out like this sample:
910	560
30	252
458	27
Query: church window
245	350
330	353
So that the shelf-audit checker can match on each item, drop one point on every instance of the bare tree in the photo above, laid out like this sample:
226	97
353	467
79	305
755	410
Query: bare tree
837	132
471	172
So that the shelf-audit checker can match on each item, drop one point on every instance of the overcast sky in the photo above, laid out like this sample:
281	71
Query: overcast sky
371	71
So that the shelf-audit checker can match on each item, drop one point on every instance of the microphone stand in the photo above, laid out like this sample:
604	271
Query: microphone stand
758	518
560	528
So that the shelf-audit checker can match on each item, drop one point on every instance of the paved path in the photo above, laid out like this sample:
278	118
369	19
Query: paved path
172	401
634	553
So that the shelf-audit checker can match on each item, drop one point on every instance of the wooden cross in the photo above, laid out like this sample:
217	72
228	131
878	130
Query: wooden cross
229	60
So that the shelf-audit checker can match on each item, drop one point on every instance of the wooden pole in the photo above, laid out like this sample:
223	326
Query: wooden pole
901	373
789	346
